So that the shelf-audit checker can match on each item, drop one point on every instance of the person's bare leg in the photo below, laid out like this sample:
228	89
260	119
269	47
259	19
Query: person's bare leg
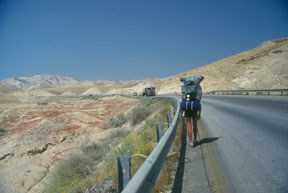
195	128
188	127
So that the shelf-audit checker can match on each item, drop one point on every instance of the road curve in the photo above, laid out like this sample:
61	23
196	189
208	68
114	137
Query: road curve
252	146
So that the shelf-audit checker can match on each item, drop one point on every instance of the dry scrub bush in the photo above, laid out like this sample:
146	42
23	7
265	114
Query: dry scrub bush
136	162
71	175
141	111
99	160
118	121
2	132
96	151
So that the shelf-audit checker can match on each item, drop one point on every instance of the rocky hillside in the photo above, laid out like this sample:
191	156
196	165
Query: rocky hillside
263	67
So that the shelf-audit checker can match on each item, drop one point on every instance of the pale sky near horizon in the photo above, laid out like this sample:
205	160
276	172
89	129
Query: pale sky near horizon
130	39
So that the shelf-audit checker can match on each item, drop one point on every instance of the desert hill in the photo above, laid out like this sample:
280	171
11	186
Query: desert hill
6	96
266	66
263	67
47	81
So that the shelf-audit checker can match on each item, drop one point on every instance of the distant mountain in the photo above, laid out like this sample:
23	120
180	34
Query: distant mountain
47	81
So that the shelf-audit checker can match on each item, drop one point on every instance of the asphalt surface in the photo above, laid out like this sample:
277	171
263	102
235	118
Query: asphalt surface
251	149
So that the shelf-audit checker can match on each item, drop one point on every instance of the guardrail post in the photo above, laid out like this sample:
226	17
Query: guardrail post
169	119
160	132
124	174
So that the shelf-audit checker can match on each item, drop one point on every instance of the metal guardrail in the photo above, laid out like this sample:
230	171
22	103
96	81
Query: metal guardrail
146	176
258	91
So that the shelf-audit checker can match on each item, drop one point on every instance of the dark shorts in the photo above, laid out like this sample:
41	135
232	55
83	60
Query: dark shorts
192	114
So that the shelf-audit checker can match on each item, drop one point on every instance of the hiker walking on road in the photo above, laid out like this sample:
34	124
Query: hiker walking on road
192	94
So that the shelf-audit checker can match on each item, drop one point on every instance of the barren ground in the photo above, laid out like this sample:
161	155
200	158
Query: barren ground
44	131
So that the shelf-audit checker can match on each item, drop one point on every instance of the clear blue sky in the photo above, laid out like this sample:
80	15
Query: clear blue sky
130	39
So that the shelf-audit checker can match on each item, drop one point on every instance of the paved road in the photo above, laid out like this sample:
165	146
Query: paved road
252	148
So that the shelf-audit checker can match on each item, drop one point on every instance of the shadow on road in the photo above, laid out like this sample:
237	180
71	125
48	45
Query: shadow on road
178	181
177	186
207	140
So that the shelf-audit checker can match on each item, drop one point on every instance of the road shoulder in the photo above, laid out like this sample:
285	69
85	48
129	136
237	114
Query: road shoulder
195	175
213	173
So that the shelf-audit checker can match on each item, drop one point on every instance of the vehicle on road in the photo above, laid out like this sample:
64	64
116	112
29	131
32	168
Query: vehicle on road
149	91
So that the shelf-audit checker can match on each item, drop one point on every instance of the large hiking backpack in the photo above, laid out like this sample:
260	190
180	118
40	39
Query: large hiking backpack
191	87
190	106
192	92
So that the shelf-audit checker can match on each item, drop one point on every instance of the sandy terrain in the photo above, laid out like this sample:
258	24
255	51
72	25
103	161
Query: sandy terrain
42	131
